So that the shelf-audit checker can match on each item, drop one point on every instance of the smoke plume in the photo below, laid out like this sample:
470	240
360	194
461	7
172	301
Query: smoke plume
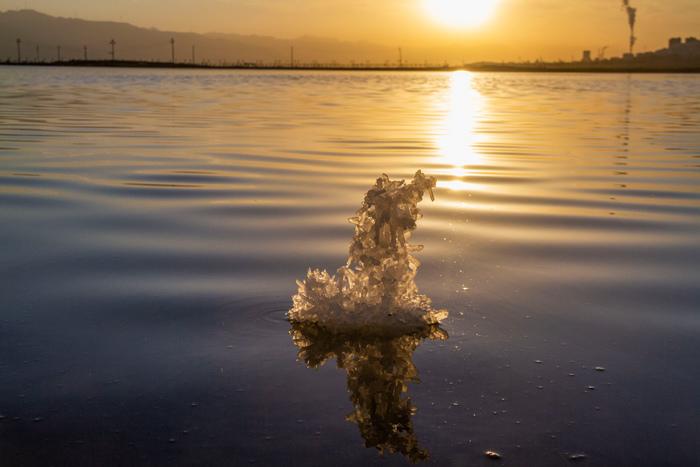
632	20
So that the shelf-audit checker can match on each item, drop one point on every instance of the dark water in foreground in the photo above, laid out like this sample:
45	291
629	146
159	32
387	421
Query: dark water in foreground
153	224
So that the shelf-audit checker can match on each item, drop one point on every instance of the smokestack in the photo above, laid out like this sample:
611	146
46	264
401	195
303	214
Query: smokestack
632	20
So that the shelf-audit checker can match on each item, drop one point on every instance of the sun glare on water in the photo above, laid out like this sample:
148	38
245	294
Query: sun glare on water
461	13
458	137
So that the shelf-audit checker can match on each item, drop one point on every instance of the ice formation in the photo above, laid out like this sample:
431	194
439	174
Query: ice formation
376	288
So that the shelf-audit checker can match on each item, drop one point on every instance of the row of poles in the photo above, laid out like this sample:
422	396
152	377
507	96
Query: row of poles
113	44
112	51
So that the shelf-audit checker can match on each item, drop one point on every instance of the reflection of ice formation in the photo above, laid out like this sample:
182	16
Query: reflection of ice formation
378	370
376	288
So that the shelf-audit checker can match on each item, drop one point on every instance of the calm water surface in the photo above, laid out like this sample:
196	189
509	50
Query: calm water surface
153	224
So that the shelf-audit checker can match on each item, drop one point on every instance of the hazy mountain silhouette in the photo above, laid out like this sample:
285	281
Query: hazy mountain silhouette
135	43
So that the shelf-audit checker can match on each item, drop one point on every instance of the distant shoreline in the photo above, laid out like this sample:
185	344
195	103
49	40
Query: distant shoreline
484	67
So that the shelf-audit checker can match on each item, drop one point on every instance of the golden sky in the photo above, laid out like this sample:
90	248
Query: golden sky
524	29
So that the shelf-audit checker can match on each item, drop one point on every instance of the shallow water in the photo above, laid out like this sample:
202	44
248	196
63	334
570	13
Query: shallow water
154	223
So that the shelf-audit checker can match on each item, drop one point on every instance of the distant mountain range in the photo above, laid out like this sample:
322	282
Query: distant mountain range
41	35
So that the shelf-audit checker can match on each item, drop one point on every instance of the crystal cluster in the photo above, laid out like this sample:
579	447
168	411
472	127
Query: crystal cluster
376	288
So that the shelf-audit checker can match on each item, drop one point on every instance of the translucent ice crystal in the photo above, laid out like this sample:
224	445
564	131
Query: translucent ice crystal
376	288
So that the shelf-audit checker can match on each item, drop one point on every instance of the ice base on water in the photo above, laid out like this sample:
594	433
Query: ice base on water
375	291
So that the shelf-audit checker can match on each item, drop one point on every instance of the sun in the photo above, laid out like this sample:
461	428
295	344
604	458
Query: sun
461	13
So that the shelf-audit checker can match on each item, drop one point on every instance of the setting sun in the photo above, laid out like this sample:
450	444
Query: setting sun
461	13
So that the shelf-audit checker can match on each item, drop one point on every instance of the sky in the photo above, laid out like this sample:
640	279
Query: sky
517	29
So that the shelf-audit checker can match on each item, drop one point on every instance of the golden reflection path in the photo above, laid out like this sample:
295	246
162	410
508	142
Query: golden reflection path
456	135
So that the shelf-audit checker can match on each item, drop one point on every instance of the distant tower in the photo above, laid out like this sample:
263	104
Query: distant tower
112	43
400	58
601	53
291	57
19	50
172	49
586	58
58	53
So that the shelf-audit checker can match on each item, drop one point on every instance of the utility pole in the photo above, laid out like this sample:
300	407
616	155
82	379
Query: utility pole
193	60
58	52
85	53
400	58
172	48
291	57
19	50
112	43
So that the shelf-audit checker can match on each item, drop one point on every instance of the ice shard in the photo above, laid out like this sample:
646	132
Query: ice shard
375	290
